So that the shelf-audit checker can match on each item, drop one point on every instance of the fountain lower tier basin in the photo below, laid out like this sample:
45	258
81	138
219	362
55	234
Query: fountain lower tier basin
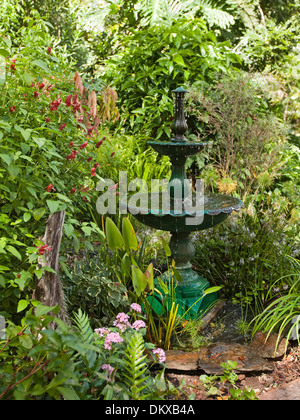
190	295
182	216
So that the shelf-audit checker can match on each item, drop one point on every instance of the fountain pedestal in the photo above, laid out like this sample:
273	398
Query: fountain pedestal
189	293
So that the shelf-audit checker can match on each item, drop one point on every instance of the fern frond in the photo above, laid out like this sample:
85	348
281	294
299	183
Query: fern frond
136	367
83	326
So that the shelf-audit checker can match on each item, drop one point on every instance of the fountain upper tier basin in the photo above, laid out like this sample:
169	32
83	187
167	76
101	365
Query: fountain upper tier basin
177	150
216	209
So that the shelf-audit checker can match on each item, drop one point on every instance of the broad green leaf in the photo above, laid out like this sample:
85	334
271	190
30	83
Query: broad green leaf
6	158
26	217
14	252
22	305
113	235
139	280
68	393
4	52
212	290
40	141
26	341
39	213
150	277
68	230
166	248
179	60
129	236
43	309
42	65
53	205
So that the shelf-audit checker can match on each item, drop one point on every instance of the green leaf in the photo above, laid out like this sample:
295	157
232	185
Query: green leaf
68	229
53	205
26	341
68	393
22	305
39	213
26	217
129	236
14	252
166	248
40	141
113	235
6	158
212	290
42	65
43	309
179	60
4	52
139	280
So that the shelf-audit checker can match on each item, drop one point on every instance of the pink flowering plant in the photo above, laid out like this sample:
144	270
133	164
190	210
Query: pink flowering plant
127	358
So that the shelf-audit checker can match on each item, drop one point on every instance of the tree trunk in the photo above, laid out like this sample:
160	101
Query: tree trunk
49	290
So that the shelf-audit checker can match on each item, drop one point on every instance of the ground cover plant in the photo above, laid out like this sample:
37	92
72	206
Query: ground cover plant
83	87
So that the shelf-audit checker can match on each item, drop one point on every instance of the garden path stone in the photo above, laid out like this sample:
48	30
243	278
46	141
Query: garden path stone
290	391
266	347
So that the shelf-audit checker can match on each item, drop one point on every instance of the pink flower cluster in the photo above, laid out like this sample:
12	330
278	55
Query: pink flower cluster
112	338
136	307
137	325
122	322
161	355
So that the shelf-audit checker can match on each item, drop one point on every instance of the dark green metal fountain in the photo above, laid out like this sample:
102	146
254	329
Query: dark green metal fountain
215	208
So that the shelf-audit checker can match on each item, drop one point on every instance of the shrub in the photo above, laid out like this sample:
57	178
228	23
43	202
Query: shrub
156	61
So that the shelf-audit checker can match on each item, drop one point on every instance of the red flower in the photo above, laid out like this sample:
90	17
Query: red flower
43	248
71	144
36	94
73	190
55	104
68	100
48	120
113	154
93	172
89	159
49	50
12	109
96	164
99	144
84	145
42	85
49	188
62	127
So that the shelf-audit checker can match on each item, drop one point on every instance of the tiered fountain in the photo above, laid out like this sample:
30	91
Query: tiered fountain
190	292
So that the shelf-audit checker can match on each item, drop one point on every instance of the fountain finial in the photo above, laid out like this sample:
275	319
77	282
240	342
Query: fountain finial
179	126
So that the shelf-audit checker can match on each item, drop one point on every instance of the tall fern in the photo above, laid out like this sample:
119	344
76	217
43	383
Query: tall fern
136	368
85	330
